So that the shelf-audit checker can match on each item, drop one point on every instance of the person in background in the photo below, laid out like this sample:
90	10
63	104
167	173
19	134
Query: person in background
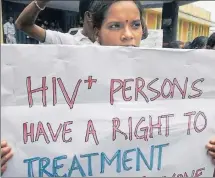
46	24
199	43
211	42
43	26
187	45
6	155
52	26
10	31
26	23
174	45
58	27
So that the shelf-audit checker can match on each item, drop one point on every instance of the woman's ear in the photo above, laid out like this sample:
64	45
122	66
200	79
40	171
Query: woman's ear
88	15
145	30
96	35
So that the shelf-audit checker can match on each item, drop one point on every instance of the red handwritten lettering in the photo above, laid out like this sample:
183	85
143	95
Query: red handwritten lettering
30	91
91	130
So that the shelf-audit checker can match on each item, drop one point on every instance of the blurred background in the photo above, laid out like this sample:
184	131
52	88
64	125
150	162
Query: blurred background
170	21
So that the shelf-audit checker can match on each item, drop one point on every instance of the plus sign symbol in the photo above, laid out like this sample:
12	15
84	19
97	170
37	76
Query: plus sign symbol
90	81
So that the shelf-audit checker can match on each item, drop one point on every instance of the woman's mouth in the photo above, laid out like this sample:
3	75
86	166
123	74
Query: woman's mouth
129	45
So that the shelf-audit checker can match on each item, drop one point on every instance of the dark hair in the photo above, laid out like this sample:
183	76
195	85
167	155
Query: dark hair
99	9
211	41
174	44
84	6
187	45
199	42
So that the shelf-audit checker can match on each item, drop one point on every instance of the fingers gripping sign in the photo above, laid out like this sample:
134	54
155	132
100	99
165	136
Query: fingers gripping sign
211	148
6	154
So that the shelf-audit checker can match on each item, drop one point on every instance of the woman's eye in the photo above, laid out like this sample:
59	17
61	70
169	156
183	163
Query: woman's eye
136	24
114	26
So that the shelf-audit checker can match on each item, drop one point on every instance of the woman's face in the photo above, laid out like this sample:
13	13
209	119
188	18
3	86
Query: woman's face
122	25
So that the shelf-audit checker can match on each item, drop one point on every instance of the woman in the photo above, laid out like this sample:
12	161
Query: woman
118	23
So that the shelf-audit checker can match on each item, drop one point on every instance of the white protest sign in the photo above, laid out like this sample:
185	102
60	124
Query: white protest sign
104	111
154	39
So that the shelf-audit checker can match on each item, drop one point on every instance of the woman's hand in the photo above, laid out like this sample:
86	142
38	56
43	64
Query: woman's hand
6	154
211	149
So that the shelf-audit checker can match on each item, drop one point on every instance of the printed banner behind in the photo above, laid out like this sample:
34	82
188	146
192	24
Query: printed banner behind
105	111
154	39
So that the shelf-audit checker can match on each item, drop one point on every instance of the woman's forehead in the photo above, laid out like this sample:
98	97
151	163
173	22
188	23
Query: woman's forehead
123	10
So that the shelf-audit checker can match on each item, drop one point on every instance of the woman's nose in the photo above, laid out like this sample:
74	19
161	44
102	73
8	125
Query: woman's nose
127	35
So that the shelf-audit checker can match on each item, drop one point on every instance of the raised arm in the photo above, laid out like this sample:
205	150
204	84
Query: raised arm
26	20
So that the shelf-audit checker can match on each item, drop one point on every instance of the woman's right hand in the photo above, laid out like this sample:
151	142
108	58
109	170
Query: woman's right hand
6	154
42	2
26	20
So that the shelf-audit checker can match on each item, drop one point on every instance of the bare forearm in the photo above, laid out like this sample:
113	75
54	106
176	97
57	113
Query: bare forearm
26	20
29	14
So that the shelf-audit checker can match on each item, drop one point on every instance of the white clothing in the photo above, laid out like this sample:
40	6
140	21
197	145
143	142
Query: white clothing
55	37
9	29
11	39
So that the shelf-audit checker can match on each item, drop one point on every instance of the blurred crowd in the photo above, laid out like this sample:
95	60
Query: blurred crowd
49	25
10	29
201	42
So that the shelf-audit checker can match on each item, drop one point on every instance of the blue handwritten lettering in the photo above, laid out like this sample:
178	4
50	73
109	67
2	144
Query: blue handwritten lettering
125	159
74	167
140	155
89	156
160	147
55	166
109	162
30	165
121	158
43	164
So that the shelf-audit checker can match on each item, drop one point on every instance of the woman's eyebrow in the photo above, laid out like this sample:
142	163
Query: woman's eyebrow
138	20
112	22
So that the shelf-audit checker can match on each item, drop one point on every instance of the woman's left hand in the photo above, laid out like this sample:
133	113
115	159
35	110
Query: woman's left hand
211	149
